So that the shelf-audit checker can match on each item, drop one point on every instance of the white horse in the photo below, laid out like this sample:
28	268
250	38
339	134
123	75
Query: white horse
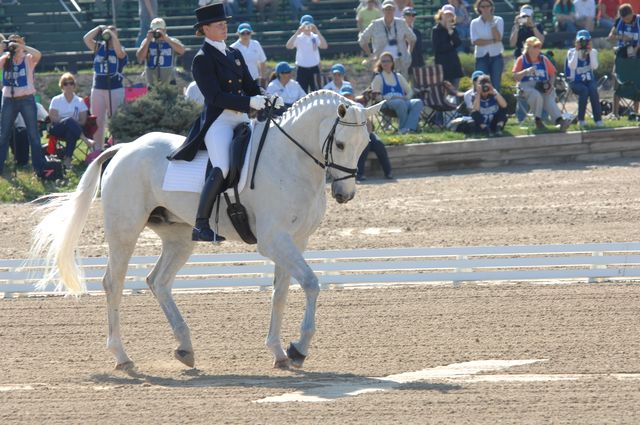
286	206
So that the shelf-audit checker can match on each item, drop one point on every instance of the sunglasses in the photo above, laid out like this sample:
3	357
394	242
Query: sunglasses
285	72
69	83
485	6
386	61
245	33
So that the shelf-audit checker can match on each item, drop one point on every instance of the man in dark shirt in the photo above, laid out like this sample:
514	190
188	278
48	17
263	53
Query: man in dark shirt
523	28
417	60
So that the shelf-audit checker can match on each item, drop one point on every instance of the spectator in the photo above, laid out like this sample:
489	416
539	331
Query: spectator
107	92
581	61
389	34
263	5
445	44
338	82
368	14
147	10
523	28
159	52
417	57
400	5
192	92
374	145
607	12
535	76
18	64
284	86
488	107
626	31
463	20
585	14
307	41
545	7
396	91
564	16
486	35
68	114
232	7
251	51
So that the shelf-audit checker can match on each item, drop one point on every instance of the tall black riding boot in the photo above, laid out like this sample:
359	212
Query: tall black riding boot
212	188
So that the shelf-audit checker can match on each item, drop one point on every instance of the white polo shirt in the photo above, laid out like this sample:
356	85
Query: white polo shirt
68	109
585	8
253	55
482	30
307	50
289	93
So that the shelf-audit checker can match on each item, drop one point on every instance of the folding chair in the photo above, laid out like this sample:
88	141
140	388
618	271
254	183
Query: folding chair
387	120
431	88
626	87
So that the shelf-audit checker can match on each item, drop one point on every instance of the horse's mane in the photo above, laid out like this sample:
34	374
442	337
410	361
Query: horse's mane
327	97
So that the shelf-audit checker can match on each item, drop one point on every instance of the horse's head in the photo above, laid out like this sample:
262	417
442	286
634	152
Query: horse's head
350	138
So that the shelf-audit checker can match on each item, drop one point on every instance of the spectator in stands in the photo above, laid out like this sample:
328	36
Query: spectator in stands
389	34
564	16
252	52
446	41
232	8
18	63
107	93
368	14
263	5
581	61
417	56
607	12
400	5
486	35
68	114
585	14
307	41
395	89
535	76
488	107
284	86
626	32
545	7
338	82
192	92
523	28
463	20
148	10
159	52
374	145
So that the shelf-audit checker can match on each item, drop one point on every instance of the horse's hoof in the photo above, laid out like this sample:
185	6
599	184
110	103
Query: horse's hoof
297	359
282	364
185	357
126	366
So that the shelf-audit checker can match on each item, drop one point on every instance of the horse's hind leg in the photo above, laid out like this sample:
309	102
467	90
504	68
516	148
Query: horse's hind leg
176	249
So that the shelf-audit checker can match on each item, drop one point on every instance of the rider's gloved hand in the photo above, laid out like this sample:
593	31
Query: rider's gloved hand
277	102
257	102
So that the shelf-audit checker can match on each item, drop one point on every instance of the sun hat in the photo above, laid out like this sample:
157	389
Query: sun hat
476	75
244	27
283	67
409	11
158	24
339	68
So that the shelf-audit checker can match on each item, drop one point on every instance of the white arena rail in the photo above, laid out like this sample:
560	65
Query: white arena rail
583	262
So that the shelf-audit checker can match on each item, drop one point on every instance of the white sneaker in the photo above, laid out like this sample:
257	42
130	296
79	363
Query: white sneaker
582	124
599	123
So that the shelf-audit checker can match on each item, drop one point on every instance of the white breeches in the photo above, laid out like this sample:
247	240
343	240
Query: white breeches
219	137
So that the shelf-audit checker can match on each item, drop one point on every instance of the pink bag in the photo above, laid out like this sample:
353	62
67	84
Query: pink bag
134	92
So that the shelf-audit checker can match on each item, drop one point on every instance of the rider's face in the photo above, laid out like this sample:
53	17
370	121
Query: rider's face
216	31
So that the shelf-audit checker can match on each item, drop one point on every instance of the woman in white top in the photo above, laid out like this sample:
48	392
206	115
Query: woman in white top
251	50
285	87
307	41
338	71
486	35
395	89
68	114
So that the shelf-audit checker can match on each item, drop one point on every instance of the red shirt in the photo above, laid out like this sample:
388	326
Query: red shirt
611	7
635	4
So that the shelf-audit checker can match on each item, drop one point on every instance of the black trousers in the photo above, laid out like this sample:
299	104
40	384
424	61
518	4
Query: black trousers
306	77
499	117
376	146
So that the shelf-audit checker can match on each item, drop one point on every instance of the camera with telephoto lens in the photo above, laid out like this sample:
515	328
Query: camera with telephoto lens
10	46
583	44
157	34
522	20
105	35
485	87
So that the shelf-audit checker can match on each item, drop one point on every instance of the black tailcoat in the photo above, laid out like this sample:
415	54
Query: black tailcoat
225	83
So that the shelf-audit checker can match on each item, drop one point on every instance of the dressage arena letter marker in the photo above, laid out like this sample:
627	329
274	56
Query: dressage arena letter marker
454	372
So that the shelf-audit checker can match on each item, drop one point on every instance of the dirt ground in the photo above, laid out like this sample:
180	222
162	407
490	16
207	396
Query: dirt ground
581	340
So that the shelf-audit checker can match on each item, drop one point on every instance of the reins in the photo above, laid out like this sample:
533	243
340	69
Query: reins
327	145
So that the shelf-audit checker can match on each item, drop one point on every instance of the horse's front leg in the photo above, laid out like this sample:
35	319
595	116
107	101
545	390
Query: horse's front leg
281	282
286	255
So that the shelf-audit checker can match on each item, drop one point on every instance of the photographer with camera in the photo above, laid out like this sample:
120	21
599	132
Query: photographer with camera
581	61
107	92
524	27
389	34
307	41
159	51
626	32
18	63
535	76
488	107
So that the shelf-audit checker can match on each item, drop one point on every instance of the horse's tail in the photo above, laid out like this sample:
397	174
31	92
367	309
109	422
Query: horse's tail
56	236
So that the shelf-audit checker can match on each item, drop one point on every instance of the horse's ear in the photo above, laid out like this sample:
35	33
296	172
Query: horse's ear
372	110
342	110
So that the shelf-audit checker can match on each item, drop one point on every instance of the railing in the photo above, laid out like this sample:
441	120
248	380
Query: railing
585	262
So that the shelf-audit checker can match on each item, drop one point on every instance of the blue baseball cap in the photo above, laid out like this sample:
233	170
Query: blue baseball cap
583	35
283	67
244	27
476	75
339	68
306	19
346	89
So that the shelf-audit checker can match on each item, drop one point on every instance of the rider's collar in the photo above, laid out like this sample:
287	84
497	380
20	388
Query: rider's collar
218	45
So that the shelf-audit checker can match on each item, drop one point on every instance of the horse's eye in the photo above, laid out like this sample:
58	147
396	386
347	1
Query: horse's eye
340	145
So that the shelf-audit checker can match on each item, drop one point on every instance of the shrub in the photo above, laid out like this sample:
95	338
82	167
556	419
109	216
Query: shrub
162	109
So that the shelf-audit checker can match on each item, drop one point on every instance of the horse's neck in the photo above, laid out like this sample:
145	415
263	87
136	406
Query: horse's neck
304	121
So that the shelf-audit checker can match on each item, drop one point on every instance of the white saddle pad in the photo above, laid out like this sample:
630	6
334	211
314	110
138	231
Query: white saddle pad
188	176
